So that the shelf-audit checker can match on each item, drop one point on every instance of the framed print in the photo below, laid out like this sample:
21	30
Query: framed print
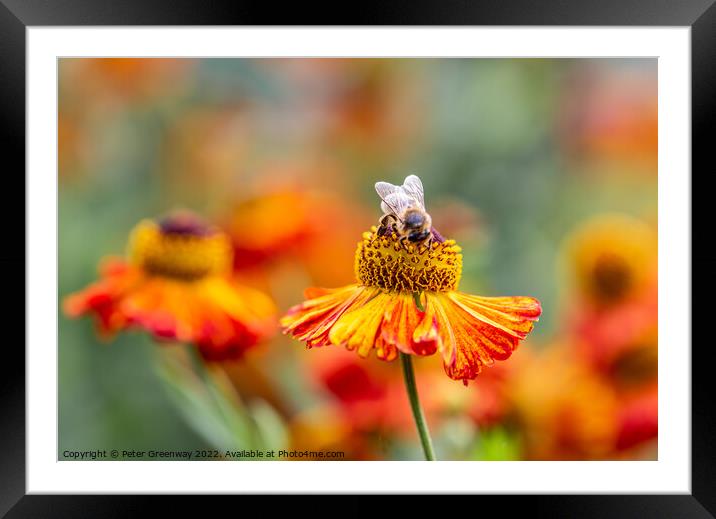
442	252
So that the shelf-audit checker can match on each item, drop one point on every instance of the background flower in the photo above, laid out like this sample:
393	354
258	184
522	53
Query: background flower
176	284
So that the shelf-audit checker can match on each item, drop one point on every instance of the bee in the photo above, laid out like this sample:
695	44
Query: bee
404	212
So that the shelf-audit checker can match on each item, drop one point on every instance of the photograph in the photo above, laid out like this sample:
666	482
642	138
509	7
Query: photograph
358	259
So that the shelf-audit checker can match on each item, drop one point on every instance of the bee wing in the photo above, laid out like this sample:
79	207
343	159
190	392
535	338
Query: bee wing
414	188
393	200
398	202
385	189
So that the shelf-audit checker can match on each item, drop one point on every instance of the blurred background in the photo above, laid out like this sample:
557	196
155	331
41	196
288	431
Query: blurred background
543	170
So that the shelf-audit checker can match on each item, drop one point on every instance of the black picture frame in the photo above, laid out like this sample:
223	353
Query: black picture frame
17	15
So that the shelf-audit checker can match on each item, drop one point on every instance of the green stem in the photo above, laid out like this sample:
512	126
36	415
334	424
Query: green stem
197	364
202	371
420	422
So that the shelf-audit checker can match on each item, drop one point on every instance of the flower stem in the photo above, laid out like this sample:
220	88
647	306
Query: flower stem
197	364
420	422
202	371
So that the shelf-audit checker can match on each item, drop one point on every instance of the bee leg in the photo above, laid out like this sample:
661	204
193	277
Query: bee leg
402	243
436	235
385	228
428	242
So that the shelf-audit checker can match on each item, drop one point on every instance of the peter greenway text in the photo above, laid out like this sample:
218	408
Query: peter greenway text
200	454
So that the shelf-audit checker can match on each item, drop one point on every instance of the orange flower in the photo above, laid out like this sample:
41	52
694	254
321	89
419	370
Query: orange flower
176	286
562	407
310	221
381	313
614	259
257	238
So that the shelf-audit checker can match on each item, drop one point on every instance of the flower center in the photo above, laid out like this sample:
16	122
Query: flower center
612	278
637	366
388	263
181	247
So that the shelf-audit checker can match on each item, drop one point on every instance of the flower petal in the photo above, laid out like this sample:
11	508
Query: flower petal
312	320
400	321
223	319
234	318
102	297
359	328
475	331
166	308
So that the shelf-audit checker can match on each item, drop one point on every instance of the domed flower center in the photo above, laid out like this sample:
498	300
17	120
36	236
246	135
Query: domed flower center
611	278
181	247
389	263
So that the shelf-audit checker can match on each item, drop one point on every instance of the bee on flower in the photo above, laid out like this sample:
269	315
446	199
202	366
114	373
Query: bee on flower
176	284
407	299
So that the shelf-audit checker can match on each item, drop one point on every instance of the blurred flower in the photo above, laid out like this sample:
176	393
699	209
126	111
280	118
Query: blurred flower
613	258
381	313
614	316
356	391
614	312
298	224
563	409
264	226
176	285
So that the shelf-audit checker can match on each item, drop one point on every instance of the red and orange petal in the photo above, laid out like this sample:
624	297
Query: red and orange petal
222	319
100	298
468	331
475	331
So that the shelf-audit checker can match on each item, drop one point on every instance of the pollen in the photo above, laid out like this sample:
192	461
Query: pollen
391	264
175	250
